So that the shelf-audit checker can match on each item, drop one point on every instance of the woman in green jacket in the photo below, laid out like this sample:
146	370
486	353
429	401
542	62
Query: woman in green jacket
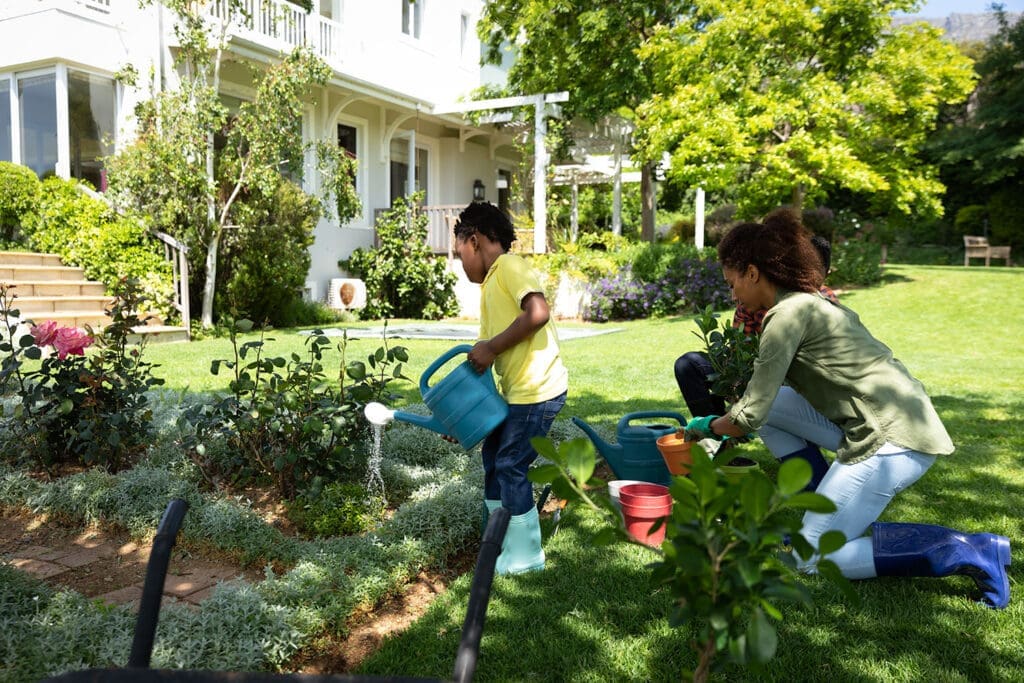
844	390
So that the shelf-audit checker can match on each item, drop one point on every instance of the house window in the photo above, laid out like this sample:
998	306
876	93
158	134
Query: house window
400	170
37	109
91	105
348	141
412	17
6	151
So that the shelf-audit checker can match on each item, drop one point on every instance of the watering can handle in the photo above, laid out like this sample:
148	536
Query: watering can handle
441	360
650	413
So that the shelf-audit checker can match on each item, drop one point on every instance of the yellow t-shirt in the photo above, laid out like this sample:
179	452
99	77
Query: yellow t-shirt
532	370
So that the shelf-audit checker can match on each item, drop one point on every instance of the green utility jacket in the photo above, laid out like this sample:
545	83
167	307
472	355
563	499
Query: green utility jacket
825	353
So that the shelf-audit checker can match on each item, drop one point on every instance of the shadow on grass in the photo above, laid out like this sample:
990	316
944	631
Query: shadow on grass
592	614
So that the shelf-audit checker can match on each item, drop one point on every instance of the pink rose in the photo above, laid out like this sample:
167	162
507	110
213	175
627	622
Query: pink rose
44	334
70	341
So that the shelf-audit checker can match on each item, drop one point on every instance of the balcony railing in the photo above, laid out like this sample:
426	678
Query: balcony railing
281	23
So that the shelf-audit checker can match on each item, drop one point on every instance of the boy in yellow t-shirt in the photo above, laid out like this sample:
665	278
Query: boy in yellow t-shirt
518	337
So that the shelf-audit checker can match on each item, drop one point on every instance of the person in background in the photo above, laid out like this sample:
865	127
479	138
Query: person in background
854	397
517	337
693	369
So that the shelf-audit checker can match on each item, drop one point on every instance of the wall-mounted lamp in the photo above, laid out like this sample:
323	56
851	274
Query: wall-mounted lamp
478	190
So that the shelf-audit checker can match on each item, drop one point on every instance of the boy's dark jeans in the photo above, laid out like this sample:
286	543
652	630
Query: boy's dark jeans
507	453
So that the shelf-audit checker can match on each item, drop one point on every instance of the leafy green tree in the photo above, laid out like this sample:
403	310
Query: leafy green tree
589	51
984	155
790	102
174	171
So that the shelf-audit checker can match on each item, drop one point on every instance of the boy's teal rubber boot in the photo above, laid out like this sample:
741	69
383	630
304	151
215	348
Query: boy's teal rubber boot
521	550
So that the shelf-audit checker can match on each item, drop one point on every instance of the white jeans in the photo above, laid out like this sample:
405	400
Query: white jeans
860	491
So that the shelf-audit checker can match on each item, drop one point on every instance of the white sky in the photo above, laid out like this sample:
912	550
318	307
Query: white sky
942	8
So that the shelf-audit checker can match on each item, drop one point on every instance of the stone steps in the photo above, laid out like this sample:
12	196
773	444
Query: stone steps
45	289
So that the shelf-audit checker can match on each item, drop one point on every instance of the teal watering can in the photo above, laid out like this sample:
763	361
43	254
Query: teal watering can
636	455
464	405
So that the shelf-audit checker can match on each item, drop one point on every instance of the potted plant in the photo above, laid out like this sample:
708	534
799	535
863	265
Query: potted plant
722	558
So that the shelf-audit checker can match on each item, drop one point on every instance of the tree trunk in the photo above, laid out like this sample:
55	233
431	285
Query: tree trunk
799	191
647	202
209	287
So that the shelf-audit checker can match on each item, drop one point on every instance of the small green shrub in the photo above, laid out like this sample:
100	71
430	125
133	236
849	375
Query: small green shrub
340	509
731	353
284	420
263	264
855	262
403	277
19	192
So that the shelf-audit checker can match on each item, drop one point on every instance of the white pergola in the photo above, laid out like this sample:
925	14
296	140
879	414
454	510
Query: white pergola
540	104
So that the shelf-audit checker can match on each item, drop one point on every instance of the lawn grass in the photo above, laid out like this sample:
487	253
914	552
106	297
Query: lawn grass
591	616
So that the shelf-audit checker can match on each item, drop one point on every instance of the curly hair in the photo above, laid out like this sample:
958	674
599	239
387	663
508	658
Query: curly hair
488	220
780	247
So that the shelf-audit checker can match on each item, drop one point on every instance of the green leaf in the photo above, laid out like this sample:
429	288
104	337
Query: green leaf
831	541
761	637
215	367
813	502
546	448
794	474
580	457
243	325
26	341
544	474
34	352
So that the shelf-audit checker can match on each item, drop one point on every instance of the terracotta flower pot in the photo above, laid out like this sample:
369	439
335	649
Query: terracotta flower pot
643	504
676	452
615	487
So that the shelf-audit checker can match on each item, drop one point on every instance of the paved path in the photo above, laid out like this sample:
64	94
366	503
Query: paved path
91	560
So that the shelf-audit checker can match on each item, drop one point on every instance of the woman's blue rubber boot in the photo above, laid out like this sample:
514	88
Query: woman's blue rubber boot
902	549
819	466
521	551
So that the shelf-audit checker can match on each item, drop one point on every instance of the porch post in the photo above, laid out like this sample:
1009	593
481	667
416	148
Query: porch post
410	174
540	165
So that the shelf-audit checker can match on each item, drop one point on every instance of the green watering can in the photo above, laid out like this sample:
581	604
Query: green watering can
636	455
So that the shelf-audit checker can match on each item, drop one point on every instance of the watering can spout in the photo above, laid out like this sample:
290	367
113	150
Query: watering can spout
426	421
603	447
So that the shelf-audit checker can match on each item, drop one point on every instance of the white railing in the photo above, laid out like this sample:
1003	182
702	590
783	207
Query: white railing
440	224
281	23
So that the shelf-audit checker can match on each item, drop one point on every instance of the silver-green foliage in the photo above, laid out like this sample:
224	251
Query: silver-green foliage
241	627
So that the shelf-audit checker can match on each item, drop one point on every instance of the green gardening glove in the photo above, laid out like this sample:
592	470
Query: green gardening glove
700	428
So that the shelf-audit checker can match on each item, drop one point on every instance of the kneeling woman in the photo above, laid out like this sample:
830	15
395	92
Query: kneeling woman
849	393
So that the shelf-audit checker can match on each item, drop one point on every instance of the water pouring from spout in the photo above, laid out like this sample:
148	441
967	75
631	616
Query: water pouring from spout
378	413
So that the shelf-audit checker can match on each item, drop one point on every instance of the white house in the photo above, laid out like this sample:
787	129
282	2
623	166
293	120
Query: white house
395	65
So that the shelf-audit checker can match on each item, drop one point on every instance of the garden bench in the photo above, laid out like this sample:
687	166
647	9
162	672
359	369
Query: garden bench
976	246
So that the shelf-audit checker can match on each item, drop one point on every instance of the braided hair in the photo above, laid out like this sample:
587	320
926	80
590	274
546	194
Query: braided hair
780	247
488	220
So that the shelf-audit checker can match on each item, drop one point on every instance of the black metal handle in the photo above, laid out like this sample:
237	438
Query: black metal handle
479	595
153	588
